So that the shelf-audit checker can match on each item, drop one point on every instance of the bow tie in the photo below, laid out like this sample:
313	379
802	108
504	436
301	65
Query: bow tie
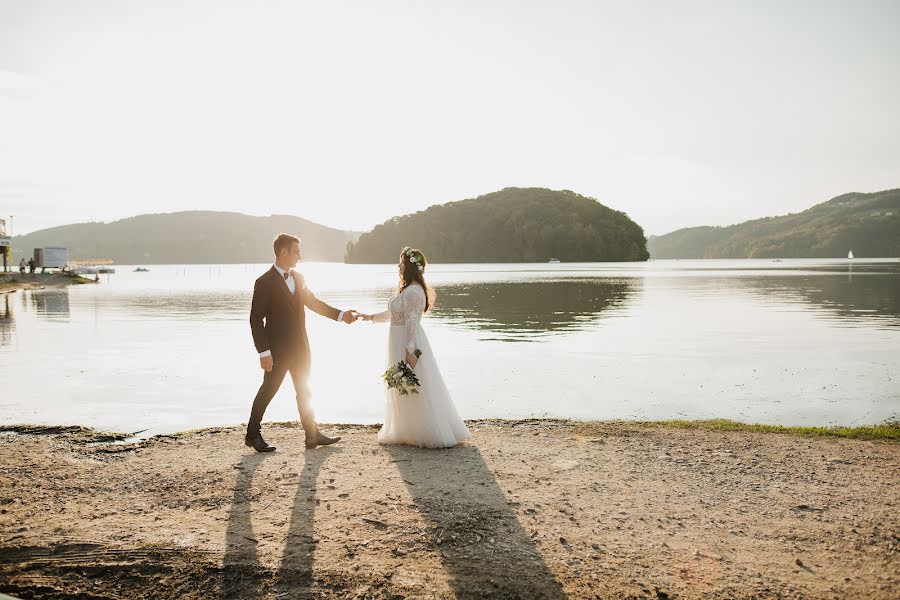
286	274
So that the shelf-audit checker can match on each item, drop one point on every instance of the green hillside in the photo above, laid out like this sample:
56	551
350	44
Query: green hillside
867	224
512	225
187	237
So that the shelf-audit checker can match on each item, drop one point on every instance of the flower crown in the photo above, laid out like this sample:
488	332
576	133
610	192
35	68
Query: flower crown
413	257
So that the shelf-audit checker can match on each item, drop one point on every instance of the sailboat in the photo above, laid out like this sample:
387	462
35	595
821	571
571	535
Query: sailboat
850	254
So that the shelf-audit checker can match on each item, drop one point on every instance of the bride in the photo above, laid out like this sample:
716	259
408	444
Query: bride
427	419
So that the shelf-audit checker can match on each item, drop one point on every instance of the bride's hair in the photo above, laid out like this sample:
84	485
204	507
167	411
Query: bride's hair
415	262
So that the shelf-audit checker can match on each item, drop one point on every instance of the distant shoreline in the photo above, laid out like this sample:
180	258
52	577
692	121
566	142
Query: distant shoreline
10	282
37	277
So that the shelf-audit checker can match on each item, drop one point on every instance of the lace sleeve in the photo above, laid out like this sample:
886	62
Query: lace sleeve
381	317
413	307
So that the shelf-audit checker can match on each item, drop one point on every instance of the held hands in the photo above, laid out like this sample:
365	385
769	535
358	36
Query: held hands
364	316
351	316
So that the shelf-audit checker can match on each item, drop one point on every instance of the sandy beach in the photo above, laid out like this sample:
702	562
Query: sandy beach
527	509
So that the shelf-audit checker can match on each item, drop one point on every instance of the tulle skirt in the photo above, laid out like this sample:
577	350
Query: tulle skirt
427	419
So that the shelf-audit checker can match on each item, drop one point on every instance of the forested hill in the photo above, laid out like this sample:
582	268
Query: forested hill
867	224
204	237
512	225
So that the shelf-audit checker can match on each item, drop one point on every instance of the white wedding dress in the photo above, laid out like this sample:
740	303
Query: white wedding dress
427	419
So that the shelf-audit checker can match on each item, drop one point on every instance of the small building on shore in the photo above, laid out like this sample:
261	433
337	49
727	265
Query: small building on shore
51	257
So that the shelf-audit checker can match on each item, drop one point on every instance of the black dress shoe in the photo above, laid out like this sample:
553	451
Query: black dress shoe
259	444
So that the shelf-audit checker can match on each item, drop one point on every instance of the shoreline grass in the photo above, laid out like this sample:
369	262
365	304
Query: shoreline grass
79	280
12	282
889	431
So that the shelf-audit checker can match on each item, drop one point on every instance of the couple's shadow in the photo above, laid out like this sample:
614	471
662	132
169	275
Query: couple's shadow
483	547
242	574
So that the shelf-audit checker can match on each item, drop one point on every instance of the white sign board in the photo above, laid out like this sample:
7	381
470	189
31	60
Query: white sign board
5	241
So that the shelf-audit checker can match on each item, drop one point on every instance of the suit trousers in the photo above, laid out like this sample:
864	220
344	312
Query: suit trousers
271	383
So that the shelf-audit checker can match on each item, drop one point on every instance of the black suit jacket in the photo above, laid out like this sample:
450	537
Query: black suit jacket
278	319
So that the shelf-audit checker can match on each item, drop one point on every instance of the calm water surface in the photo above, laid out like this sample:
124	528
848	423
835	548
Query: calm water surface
795	342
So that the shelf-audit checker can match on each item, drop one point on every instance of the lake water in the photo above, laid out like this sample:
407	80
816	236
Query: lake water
799	342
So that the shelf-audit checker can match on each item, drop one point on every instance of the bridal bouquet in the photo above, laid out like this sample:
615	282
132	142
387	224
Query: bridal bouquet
402	378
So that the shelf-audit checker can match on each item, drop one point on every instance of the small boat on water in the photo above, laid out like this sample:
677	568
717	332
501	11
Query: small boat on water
141	270
850	254
553	261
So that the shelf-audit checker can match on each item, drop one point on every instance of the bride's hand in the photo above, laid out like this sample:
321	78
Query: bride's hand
412	359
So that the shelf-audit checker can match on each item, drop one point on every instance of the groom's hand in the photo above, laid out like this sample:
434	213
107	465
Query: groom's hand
350	316
266	362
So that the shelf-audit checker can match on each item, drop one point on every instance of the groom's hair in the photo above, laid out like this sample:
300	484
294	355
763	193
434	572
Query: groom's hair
283	241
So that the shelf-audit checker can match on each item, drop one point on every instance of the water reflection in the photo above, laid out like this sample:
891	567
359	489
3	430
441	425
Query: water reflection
522	310
7	324
851	298
756	329
53	305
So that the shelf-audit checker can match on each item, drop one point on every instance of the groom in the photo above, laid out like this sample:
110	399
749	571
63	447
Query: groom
278	324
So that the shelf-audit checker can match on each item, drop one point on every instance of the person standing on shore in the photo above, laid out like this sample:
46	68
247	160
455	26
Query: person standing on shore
278	325
431	419
31	265
22	266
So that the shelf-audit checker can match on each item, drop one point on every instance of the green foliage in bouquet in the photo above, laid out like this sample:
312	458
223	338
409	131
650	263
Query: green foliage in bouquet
402	378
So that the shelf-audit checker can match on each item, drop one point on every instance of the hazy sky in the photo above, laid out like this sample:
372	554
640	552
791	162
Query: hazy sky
347	113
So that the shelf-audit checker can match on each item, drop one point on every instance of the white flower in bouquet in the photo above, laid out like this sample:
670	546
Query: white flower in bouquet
402	377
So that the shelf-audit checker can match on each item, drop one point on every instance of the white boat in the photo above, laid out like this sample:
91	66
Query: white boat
850	254
553	261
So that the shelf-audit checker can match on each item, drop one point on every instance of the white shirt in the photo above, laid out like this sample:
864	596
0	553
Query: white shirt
292	287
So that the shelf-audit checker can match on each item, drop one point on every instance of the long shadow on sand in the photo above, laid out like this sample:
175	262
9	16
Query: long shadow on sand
484	548
295	575
243	577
